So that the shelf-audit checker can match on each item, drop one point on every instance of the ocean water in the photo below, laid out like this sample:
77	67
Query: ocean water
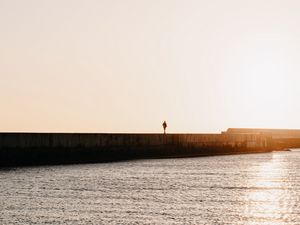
238	189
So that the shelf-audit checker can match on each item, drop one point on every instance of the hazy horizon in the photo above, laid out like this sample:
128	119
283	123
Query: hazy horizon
125	66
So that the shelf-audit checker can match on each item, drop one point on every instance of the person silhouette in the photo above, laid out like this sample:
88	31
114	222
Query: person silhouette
164	126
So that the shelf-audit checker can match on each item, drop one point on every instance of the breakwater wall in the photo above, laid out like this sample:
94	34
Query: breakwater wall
59	148
281	138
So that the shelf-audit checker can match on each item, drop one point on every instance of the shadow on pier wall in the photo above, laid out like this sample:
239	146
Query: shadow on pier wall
23	149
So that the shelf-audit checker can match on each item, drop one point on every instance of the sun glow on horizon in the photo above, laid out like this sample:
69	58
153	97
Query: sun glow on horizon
125	66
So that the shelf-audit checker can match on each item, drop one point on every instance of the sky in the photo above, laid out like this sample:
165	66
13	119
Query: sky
128	65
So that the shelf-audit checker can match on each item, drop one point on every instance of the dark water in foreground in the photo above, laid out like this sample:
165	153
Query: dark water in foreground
239	189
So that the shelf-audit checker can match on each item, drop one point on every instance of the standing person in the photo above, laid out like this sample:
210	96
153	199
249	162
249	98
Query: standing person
164	126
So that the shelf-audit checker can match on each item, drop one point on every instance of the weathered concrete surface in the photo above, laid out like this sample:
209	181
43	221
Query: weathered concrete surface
281	138
274	133
58	148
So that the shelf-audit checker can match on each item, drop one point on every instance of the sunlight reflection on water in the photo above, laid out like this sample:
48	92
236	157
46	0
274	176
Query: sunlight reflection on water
269	194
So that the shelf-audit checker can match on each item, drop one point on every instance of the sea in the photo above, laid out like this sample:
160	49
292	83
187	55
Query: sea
234	189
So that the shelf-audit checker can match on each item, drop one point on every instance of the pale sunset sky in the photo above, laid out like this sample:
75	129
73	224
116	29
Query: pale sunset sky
127	65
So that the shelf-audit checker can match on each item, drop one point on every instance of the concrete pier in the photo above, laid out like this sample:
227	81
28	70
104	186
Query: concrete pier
281	138
17	149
